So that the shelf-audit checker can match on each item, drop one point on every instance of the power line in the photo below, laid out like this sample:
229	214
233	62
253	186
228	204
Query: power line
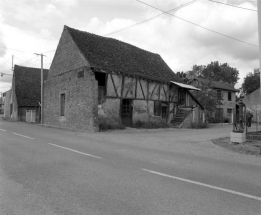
199	25
49	51
14	49
5	62
233	6
150	19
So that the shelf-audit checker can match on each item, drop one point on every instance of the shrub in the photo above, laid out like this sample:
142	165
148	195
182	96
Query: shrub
151	124
199	125
226	120
108	125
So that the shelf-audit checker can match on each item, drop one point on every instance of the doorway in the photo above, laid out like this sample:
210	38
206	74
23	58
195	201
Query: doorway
126	112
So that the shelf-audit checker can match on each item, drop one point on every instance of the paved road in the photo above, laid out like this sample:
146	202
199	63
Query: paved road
53	171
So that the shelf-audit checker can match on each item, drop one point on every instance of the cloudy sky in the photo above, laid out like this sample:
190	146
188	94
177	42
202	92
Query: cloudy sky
35	26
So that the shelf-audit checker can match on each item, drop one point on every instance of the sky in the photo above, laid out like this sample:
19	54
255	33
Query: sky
35	26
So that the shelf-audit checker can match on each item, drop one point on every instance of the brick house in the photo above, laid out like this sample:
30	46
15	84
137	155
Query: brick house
25	93
226	96
93	77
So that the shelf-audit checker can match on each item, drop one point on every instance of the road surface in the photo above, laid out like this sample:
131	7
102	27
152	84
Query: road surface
175	171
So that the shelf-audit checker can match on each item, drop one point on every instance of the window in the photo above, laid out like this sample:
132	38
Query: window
219	96
62	104
229	97
229	111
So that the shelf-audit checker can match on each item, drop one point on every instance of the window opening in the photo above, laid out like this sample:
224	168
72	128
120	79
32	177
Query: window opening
101	78
62	104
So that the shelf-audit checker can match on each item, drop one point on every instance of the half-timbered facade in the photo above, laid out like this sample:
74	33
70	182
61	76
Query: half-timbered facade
93	78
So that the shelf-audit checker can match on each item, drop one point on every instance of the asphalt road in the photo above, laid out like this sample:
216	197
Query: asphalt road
53	171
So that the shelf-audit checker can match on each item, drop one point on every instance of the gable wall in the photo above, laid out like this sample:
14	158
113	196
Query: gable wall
67	56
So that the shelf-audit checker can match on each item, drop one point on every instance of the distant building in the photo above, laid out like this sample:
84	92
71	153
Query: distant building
1	105
25	94
226	98
253	104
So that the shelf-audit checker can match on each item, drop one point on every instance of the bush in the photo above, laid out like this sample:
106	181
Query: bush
226	120
106	125
151	125
199	125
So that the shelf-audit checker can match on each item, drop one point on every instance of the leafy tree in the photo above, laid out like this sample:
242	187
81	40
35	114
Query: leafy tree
183	76
251	82
208	97
215	72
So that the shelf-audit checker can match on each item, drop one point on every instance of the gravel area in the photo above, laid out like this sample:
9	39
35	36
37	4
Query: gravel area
251	147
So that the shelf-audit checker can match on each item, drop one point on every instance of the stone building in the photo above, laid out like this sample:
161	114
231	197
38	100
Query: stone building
25	94
93	77
253	104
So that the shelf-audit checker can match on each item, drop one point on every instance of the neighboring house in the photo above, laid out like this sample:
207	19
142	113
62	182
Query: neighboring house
94	78
253	104
7	97
1	105
226	98
25	94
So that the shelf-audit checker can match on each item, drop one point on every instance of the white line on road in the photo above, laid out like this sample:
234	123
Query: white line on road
74	151
205	185
2	130
23	136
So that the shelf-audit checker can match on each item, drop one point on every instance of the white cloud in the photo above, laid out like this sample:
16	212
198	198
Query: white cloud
37	27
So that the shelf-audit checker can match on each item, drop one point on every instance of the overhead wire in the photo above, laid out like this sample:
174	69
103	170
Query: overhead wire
5	62
213	31
231	5
151	18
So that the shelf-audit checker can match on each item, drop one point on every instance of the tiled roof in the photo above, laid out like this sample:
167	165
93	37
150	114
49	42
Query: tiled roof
28	85
218	85
120	57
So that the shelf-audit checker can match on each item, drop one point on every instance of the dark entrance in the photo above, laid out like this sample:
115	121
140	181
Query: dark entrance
126	112
182	97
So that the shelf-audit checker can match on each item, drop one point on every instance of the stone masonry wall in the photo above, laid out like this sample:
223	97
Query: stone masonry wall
67	56
81	106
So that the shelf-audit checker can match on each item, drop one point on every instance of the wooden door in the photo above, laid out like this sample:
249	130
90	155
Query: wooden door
126	112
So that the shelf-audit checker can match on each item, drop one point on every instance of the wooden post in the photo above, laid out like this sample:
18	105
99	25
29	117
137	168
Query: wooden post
259	31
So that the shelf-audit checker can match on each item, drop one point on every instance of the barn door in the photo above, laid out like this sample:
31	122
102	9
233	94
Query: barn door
126	112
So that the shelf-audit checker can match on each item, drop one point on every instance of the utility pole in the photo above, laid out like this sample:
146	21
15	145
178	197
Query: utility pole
259	31
42	87
12	62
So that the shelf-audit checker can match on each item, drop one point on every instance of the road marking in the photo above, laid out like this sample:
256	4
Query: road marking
74	151
206	185
2	130
23	136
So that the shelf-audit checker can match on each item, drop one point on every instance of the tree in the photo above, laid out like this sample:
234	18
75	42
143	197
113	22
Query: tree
251	82
208	97
215	72
183	76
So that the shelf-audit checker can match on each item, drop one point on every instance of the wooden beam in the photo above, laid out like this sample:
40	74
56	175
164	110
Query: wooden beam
114	85
142	90
153	90
136	81
129	88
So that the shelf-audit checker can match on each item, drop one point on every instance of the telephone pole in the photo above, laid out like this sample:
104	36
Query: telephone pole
42	87
259	31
